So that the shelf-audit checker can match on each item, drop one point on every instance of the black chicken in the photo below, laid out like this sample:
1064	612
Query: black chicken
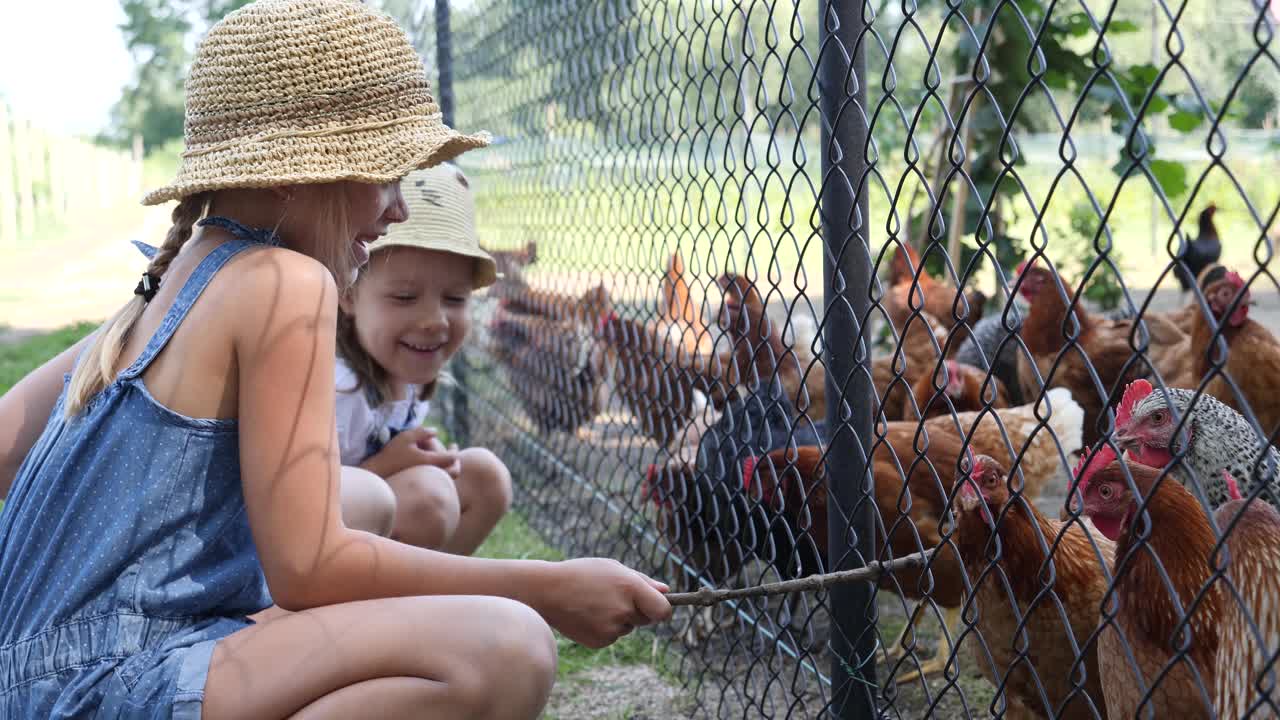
708	512
1200	253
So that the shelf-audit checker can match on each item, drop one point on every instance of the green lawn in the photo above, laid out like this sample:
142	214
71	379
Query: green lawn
18	359
514	539
624	227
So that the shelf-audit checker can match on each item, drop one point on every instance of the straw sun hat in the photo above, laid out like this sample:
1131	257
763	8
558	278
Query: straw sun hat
442	216
286	92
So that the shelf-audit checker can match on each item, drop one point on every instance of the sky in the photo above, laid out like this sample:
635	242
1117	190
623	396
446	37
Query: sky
63	62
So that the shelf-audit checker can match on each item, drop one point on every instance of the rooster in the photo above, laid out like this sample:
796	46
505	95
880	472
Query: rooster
1214	439
1162	557
913	361
510	263
1253	360
1053	574
524	300
1101	349
993	342
1200	253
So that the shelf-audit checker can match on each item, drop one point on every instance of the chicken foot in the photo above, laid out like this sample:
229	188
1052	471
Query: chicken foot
951	625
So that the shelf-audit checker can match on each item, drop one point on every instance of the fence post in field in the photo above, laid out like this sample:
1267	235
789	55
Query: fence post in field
38	141
8	198
22	176
846	284
444	95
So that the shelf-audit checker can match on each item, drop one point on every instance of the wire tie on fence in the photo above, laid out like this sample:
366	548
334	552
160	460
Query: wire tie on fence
871	571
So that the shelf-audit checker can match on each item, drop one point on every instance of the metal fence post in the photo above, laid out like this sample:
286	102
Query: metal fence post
444	91
846	284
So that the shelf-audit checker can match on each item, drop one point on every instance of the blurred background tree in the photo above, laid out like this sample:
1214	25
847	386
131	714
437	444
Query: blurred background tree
161	35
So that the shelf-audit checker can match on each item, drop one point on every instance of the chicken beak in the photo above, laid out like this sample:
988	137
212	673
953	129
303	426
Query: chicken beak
1126	442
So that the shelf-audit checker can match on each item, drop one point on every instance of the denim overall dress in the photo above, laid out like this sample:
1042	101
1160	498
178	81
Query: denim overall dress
125	553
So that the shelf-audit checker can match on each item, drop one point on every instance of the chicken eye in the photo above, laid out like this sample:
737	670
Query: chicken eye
1158	417
1105	491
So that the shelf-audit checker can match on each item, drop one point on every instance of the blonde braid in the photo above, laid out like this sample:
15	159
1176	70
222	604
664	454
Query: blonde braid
96	368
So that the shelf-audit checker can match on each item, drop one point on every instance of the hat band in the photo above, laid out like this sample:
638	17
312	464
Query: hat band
314	133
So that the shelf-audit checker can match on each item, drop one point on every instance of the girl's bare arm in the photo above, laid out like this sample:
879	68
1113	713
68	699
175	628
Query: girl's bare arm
290	467
25	409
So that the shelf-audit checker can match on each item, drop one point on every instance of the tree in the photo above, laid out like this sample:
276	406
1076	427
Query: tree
158	34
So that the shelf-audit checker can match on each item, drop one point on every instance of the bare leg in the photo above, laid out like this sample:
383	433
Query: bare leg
938	663
426	506
484	495
414	657
367	502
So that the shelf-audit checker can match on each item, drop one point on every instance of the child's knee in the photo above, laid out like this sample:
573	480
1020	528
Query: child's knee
368	502
427	507
488	478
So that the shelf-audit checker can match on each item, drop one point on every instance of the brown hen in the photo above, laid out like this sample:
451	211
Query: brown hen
1057	618
1150	619
1100	346
1253	358
912	491
757	352
911	286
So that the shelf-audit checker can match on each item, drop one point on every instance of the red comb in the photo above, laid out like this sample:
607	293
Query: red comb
748	468
605	319
1235	278
649	489
1137	391
1233	490
1090	464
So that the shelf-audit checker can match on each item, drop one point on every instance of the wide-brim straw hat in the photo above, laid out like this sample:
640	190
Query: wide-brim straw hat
285	92
442	216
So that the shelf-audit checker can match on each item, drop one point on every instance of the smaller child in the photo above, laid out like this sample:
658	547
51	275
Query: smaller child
399	324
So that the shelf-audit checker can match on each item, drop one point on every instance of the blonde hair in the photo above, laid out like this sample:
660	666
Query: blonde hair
369	373
327	203
96	368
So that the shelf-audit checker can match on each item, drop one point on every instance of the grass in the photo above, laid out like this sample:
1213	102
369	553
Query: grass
19	358
514	539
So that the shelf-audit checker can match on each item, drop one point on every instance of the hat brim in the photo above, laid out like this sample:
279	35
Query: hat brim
377	155
486	272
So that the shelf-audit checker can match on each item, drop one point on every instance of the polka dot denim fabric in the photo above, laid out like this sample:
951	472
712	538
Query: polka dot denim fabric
125	553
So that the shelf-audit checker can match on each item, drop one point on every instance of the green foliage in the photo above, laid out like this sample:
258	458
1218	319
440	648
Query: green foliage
1076	251
158	34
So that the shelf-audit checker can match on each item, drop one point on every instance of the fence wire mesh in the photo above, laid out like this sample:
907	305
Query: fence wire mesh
794	285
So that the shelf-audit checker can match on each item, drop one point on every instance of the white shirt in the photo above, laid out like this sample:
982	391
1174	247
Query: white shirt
363	430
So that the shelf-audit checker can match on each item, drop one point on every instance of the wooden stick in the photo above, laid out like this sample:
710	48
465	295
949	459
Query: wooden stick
871	571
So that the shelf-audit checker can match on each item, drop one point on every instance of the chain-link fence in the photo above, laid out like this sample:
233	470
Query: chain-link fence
778	276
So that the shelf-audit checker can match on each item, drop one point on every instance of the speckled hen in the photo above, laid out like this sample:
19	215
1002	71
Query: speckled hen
1215	439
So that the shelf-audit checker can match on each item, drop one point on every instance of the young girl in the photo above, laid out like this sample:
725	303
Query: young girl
187	475
399	324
